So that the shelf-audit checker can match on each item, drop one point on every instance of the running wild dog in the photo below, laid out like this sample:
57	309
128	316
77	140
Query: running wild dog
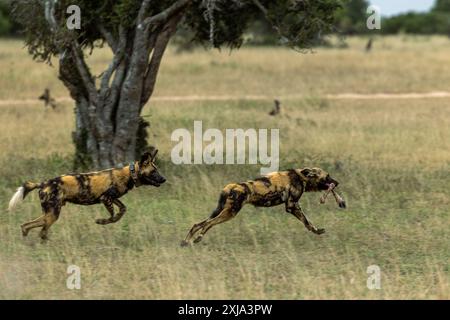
271	190
105	187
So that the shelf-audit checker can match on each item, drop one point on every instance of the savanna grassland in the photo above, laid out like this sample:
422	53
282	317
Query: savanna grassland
392	157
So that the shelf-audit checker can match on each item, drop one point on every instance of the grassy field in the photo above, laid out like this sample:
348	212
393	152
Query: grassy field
391	156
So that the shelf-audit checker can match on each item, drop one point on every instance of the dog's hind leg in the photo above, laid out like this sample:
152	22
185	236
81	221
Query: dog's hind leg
231	209
225	215
49	218
36	223
195	228
45	221
228	206
51	204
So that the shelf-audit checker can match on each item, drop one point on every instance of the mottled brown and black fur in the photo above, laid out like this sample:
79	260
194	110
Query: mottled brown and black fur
105	187
284	187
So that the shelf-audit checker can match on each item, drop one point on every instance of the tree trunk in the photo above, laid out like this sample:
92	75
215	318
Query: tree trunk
109	129
94	133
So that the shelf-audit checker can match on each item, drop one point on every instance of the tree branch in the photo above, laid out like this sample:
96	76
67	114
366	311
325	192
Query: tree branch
261	7
151	42
159	48
109	38
264	10
142	11
116	85
166	14
118	56
50	14
84	72
69	74
129	105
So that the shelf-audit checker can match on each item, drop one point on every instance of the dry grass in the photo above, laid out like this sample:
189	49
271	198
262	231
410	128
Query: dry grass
392	158
409	64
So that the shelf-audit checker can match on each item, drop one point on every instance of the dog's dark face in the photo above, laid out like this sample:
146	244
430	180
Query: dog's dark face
148	172
317	179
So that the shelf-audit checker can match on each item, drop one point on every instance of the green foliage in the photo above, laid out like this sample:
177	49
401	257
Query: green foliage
418	23
352	17
435	22
7	27
442	6
230	21
5	24
124	12
356	10
42	41
300	24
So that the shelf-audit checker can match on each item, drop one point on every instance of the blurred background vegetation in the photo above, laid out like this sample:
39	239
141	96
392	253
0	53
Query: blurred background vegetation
8	28
351	20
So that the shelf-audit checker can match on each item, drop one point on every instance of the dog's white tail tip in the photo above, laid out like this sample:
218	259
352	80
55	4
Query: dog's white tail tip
16	198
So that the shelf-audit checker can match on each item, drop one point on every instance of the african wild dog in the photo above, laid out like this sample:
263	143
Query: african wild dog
105	187
273	189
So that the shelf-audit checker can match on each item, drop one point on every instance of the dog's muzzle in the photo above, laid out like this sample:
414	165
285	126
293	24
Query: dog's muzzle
157	181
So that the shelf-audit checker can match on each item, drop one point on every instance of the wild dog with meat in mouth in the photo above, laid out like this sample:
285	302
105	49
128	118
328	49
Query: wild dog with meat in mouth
285	187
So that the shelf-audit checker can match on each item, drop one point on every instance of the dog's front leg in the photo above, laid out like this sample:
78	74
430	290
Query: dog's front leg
108	203
122	210
293	208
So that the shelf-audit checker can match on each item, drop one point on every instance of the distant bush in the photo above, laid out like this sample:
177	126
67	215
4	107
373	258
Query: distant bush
418	23
5	23
437	21
351	19
442	6
7	26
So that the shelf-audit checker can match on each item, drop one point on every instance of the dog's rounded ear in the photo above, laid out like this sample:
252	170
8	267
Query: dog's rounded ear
145	157
307	172
153	153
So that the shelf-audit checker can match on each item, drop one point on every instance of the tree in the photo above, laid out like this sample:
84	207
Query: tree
441	14
352	17
5	23
442	6
8	27
109	128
